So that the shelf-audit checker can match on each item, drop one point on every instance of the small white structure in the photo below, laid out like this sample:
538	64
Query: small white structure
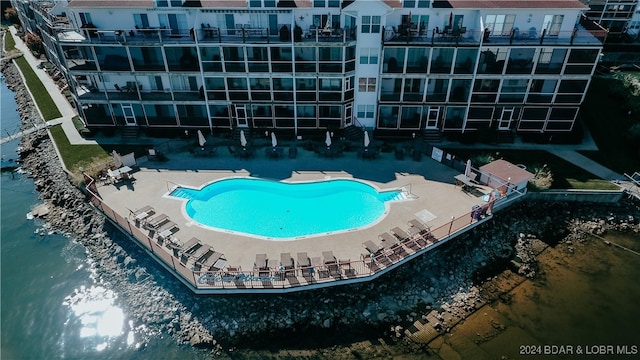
505	176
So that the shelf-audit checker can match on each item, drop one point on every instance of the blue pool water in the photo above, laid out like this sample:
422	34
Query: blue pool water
280	210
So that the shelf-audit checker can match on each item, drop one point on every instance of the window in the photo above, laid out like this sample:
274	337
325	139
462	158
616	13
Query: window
371	24
500	24
319	3
367	84
418	60
366	111
85	18
552	24
368	56
393	60
409	3
141	21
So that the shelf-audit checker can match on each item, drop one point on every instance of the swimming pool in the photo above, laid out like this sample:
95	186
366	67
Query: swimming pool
280	210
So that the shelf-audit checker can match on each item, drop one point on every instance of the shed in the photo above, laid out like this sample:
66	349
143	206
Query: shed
501	174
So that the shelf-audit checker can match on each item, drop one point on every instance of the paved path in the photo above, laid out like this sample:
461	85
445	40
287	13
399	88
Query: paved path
67	111
587	164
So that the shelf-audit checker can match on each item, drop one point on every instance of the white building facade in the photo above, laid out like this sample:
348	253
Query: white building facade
399	67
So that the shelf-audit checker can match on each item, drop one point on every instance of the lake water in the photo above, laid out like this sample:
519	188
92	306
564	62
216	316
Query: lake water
52	306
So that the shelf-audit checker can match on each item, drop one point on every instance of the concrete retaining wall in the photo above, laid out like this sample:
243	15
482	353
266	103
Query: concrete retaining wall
604	196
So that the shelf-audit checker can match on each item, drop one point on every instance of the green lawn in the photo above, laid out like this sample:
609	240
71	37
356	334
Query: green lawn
565	174
42	98
75	156
9	42
92	158
605	114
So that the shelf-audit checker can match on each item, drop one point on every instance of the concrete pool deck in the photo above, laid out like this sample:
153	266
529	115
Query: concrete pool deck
430	184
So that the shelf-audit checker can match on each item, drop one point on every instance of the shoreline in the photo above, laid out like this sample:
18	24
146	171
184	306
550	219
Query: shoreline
396	300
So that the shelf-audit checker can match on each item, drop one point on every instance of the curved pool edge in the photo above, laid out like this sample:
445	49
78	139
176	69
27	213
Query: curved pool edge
193	222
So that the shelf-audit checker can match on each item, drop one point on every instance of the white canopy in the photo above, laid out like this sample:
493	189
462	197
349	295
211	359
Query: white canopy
243	140
117	159
201	139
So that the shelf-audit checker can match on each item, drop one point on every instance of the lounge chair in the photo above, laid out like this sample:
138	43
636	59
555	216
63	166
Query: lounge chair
328	257
419	225
167	230
260	262
199	252
304	263
388	241
400	234
286	261
204	256
189	245
157	221
142	214
212	259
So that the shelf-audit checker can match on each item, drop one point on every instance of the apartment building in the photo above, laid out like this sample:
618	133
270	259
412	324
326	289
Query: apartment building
614	15
396	66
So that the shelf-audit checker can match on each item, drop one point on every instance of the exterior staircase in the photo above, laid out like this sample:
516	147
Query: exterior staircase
130	132
353	133
505	137
432	136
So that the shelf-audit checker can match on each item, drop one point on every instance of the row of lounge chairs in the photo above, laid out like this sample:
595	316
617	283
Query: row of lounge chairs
194	253
202	256
397	244
308	267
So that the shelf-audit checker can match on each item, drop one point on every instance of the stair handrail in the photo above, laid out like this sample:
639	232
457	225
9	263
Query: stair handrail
169	181
410	192
357	123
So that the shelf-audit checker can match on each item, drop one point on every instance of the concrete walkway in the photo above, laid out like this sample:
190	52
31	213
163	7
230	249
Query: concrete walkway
67	111
587	164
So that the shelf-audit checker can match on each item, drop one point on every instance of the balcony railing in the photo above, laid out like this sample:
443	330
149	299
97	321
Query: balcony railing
580	35
208	34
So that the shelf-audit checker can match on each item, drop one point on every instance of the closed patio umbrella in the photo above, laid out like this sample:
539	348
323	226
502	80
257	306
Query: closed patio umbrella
366	139
201	139
274	141
243	140
328	139
467	169
117	159
329	24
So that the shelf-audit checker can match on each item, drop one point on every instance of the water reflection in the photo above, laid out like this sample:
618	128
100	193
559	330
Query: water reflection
98	316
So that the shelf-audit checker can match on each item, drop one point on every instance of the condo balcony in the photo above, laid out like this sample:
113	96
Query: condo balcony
207	34
582	34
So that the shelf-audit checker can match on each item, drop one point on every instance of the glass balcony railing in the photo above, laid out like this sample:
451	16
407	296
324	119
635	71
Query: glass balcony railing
205	34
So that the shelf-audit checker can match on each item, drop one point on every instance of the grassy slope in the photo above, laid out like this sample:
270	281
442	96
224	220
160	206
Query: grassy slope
9	42
75	156
42	98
